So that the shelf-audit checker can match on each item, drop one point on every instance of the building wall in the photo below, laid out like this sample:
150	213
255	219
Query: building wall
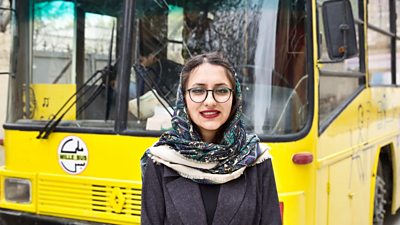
4	67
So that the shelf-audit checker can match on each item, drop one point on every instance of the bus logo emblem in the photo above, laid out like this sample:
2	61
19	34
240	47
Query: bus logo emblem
117	199
72	155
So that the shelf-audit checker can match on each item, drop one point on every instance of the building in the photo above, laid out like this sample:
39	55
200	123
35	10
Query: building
5	45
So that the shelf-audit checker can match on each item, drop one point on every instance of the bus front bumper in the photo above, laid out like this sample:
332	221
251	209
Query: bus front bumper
11	217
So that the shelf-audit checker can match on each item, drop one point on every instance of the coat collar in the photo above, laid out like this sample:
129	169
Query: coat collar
186	197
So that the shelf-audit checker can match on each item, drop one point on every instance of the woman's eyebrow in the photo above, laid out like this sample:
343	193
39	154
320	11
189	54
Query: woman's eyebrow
199	84
221	84
204	84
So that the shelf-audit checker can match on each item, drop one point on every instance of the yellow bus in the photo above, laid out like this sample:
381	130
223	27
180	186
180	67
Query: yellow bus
93	84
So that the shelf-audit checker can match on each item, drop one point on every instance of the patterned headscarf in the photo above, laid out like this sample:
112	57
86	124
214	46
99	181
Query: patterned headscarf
183	150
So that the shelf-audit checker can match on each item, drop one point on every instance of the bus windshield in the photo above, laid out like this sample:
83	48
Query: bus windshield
264	40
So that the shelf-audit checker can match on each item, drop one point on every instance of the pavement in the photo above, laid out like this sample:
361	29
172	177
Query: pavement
393	220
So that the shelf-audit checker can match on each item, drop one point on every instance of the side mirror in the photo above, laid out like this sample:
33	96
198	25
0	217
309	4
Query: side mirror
339	29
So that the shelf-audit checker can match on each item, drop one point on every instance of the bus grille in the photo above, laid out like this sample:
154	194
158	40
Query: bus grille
92	199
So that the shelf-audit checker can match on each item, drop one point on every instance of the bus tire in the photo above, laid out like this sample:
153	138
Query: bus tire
379	197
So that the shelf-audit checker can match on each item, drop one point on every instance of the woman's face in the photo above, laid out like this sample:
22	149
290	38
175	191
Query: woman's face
208	115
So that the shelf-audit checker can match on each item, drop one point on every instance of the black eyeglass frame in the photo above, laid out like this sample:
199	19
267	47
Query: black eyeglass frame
212	91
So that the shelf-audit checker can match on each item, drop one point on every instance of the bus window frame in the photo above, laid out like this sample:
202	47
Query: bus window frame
361	75
123	73
336	112
310	94
25	62
392	34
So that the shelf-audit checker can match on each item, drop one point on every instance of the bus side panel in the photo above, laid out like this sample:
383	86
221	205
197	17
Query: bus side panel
345	150
384	130
322	188
349	191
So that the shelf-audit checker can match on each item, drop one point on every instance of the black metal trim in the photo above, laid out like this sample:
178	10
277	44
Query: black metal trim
338	110
91	130
384	85
79	57
8	9
329	73
142	133
392	17
12	217
382	31
124	66
138	133
361	38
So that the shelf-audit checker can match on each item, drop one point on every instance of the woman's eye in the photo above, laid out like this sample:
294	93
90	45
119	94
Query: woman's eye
198	91
221	91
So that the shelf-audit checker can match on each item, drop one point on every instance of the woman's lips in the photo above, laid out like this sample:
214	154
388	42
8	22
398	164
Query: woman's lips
209	114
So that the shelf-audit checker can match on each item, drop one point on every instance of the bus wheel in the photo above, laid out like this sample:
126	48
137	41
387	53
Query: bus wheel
380	194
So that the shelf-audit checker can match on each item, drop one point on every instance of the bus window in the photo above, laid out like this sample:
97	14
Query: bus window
97	55
157	65
397	45
265	41
53	40
338	80
72	45
379	54
52	57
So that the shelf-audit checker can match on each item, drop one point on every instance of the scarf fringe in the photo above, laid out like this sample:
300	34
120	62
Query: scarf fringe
191	169
264	155
168	154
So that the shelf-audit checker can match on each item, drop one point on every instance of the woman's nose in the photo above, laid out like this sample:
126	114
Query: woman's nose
210	99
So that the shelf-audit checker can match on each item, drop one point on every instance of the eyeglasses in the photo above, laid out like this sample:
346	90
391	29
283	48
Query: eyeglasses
199	94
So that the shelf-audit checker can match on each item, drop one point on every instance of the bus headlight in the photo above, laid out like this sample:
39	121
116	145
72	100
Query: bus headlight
17	190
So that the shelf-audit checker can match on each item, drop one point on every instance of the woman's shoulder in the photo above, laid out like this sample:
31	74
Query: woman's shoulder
264	162
262	154
152	169
160	169
267	163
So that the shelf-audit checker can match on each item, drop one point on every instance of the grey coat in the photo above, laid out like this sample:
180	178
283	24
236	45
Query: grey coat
169	199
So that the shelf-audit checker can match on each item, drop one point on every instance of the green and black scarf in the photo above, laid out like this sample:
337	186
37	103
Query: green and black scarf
182	149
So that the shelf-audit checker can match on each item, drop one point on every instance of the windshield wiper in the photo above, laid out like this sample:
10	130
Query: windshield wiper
107	74
83	90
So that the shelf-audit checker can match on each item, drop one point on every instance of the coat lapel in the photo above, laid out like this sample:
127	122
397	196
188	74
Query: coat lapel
229	200
186	197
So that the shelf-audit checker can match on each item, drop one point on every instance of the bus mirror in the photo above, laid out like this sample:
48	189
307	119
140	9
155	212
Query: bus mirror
339	29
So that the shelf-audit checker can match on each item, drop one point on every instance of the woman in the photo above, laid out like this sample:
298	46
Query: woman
206	170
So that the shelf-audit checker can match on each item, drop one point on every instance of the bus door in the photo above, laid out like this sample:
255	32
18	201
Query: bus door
343	177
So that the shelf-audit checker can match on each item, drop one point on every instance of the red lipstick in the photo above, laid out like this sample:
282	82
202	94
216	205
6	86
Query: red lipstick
209	114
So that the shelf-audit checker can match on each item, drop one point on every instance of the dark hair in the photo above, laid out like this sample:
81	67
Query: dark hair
213	58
